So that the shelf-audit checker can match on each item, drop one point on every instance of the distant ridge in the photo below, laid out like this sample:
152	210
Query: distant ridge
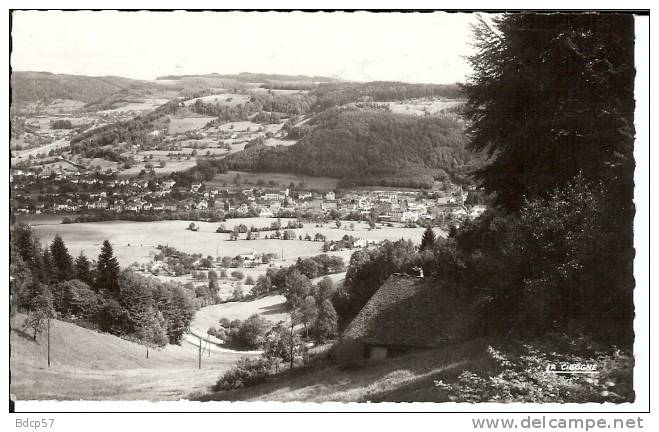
31	86
254	77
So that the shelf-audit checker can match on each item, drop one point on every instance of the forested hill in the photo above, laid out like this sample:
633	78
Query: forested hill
46	87
330	95
370	148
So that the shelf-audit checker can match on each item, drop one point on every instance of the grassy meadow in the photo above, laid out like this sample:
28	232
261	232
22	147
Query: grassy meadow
184	124
137	241
96	366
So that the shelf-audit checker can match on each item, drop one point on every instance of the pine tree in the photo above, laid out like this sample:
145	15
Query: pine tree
107	271
62	261
83	271
44	267
428	239
552	96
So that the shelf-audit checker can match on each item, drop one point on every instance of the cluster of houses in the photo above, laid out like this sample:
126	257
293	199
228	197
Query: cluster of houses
139	195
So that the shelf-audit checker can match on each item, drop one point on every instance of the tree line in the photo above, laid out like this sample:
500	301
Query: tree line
293	104
48	282
329	95
133	130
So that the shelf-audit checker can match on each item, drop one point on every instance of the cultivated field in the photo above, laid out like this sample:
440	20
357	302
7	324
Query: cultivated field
96	366
239	126
171	165
184	124
229	99
261	90
20	156
420	107
146	105
274	142
137	241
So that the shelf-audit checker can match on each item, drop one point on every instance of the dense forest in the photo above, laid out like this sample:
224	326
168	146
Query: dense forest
365	147
335	94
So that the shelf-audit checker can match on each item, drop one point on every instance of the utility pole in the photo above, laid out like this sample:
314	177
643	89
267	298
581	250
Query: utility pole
292	340
199	352
48	319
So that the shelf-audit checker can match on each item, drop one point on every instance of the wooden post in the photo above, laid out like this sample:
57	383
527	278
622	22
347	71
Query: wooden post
292	340
48	319
199	352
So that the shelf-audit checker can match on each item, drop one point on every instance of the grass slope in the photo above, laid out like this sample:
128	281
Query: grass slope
403	379
86	365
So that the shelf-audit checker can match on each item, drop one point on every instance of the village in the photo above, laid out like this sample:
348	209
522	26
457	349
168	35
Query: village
139	196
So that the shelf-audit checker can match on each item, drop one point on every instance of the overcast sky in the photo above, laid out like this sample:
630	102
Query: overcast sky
361	46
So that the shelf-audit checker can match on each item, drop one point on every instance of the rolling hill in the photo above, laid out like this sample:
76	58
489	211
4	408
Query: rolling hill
250	77
46	87
369	148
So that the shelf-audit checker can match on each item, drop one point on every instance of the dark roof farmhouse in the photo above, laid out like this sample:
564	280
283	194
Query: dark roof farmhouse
407	313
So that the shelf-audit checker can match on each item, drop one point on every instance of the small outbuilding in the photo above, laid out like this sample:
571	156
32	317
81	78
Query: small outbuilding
408	313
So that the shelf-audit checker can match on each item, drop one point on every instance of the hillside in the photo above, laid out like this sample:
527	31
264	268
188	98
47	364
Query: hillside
90	365
409	378
332	94
369	148
46	87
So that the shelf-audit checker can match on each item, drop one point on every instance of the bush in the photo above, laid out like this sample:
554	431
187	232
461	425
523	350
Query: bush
75	298
238	275
249	280
517	373
113	318
251	333
246	372
237	294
